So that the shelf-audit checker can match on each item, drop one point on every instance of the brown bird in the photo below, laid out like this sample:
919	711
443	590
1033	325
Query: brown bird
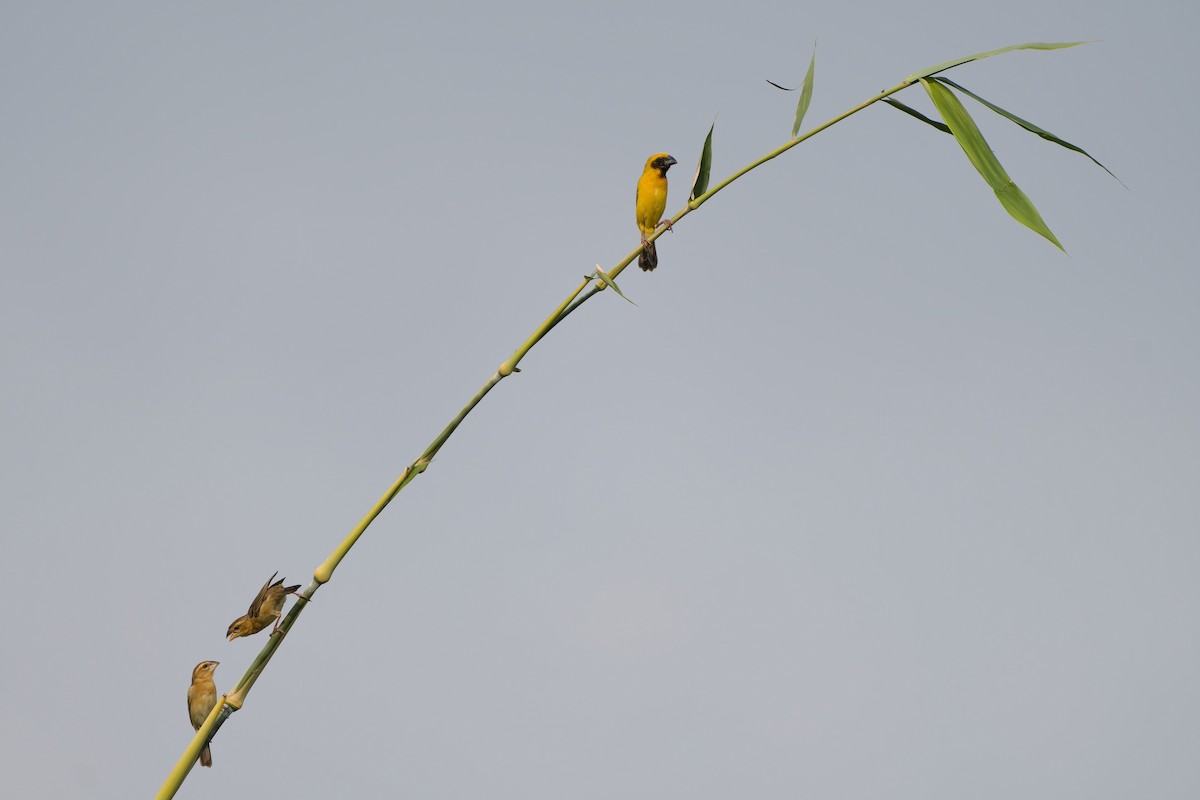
267	606
202	696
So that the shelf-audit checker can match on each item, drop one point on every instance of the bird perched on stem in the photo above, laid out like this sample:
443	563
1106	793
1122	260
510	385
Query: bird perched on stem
202	696
267	606
651	203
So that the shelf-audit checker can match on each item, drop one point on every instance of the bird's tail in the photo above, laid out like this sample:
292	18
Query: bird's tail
206	757
648	260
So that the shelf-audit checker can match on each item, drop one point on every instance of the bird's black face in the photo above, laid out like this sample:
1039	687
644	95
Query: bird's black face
663	163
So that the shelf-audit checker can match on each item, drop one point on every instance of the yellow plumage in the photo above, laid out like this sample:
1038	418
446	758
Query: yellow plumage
651	203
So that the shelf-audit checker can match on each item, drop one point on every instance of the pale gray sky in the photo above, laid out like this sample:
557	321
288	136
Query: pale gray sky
875	495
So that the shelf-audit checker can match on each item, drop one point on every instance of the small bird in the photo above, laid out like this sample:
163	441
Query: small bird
651	203
202	696
267	606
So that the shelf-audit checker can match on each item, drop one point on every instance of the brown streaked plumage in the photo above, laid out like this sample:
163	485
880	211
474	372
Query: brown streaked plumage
267	607
201	697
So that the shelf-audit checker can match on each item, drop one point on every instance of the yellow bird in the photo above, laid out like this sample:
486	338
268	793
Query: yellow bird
651	203
202	696
267	606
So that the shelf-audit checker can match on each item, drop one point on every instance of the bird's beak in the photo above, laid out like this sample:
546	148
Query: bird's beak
671	160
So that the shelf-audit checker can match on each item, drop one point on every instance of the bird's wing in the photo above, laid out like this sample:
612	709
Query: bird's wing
256	606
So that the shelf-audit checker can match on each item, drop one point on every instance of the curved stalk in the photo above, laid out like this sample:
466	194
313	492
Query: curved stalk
236	698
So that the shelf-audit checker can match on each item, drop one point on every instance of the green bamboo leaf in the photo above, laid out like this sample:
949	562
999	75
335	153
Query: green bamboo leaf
941	126
704	168
1029	126
925	73
602	275
806	90
967	134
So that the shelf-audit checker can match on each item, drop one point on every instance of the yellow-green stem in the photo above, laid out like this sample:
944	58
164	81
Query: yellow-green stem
190	753
510	366
324	572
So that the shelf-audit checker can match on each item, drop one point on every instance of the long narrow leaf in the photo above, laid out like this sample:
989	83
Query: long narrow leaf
1029	126
967	134
925	73
704	168
941	126
806	90
603	276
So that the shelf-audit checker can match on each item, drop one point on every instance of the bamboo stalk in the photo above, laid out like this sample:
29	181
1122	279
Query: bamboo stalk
236	698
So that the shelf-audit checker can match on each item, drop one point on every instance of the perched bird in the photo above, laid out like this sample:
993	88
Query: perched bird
651	203
267	606
202	696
